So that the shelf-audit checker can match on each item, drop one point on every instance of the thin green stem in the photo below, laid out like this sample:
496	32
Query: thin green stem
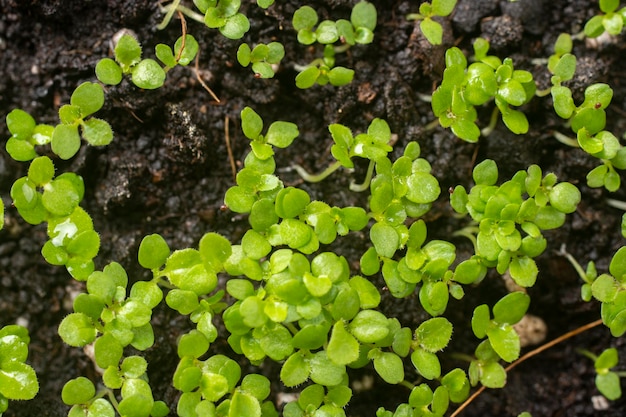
317	177
579	269
486	131
171	8
432	125
468	232
544	92
407	384
587	354
462	356
366	182
184	10
618	204
566	140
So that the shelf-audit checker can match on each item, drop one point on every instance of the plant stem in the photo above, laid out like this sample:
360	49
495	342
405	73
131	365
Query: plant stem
618	204
529	355
579	269
317	177
171	8
566	140
366	182
486	131
407	384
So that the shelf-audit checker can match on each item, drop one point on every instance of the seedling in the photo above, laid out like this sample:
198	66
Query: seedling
500	210
18	380
465	87
224	15
264	58
359	30
145	73
323	71
432	29
607	381
611	20
25	135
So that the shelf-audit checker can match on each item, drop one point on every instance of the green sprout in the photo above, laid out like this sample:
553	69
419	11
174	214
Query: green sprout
145	73
323	71
503	339
359	30
501	211
432	29
611	21
224	15
25	135
87	99
264	58
18	380
489	78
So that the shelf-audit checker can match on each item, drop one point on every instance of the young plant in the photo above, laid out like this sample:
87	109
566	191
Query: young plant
501	211
323	71
607	381
264	58
359	30
25	135
610	20
224	15
463	88
145	73
432	29
18	380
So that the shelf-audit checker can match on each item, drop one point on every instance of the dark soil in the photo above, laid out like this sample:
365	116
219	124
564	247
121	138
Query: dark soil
168	168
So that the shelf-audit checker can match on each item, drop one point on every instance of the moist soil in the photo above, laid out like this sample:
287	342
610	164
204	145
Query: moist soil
168	168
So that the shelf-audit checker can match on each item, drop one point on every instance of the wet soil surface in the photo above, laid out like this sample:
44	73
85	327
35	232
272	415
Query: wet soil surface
168	168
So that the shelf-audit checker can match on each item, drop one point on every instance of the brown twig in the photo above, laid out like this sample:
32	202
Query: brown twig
529	355
183	23
201	81
231	159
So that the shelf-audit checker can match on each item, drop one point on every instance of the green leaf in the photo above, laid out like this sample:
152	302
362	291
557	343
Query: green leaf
324	371
251	123
127	52
432	31
423	188
243	404
153	251
215	249
78	391
607	360
18	381
148	74
20	124
618	265
165	55
565	197
511	308
339	76
609	385
77	329
108	72
385	239
426	363
97	132
443	7
390	367
307	77
65	141
235	27
189	52
304	18
342	348
89	97
295	370
493	375
281	134
524	271
369	326
193	344
60	197
363	15
107	351
505	342
434	334
41	170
